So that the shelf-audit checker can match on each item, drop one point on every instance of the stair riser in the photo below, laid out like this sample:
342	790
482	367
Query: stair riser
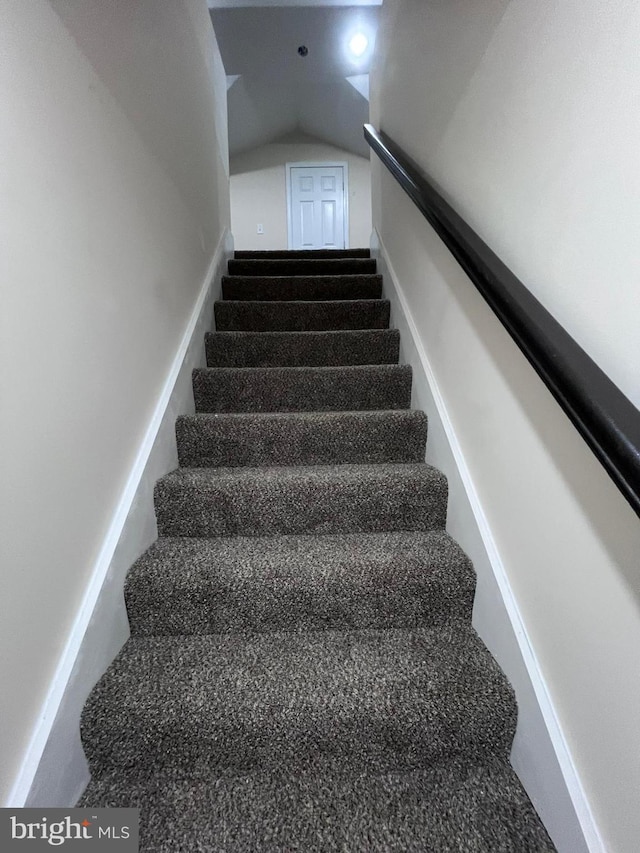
211	597
305	254
283	288
274	505
230	441
300	349
281	745
211	609
301	316
302	266
301	389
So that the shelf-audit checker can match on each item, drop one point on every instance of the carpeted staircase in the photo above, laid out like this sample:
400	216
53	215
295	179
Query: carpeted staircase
302	673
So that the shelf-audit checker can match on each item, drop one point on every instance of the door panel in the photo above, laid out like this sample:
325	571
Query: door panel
306	224
317	207
329	236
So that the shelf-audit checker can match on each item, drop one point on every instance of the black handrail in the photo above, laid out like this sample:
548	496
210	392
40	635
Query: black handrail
607	420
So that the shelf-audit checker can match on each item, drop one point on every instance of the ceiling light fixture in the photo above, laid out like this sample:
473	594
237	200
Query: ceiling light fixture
358	44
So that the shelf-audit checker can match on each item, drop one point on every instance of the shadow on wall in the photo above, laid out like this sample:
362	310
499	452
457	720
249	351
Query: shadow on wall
258	190
423	30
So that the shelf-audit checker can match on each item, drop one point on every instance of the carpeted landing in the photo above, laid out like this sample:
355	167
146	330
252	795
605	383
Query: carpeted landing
302	674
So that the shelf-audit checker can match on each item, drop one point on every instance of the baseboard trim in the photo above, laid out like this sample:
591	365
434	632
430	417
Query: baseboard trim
24	782
588	829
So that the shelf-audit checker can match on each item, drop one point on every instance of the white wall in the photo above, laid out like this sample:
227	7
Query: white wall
62	772
258	191
496	616
525	117
115	199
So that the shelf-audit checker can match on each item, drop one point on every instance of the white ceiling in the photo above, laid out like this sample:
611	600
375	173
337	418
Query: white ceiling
277	91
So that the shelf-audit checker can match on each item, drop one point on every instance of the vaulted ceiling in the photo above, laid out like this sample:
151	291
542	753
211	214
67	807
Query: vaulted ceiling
273	90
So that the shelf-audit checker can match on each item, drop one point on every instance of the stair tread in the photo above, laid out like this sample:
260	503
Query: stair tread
299	438
303	417
315	370
235	584
325	388
476	808
302	349
373	699
389	471
323	334
238	315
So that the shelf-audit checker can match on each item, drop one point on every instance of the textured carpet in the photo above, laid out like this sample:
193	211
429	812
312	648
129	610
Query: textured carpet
300	316
299	389
285	288
454	807
302	674
375	700
301	438
298	583
302	266
271	254
302	349
300	499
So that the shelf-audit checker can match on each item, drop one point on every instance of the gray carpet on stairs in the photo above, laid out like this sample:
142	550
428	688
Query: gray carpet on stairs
302	349
240	316
300	438
302	266
373	700
302	673
300	499
286	288
297	389
452	807
271	254
299	583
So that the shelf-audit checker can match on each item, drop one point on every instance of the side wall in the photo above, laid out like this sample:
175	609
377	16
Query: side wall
258	192
524	117
496	616
63	773
116	200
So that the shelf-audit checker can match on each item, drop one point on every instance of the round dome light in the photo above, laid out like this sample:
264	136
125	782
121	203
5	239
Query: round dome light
358	44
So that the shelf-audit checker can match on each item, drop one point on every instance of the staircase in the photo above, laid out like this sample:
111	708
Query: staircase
302	673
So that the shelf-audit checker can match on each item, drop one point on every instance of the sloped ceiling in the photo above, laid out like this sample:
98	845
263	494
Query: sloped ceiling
278	91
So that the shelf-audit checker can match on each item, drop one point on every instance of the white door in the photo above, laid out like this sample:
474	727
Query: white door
317	216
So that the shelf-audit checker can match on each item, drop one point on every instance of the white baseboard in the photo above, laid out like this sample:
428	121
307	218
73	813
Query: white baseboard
540	753
54	771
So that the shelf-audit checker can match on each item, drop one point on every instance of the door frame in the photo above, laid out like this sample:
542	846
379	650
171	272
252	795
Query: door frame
306	164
